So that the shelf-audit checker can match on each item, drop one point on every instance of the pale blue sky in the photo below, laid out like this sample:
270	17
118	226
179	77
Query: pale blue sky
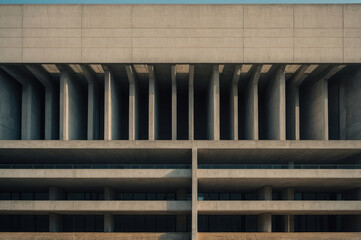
173	1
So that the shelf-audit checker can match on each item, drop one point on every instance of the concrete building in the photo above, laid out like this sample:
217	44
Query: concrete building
167	122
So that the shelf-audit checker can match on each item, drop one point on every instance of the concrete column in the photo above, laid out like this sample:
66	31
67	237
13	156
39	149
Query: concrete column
214	106
276	106
265	222
265	193
55	223
315	111
234	104
153	105
194	194
289	194
109	193
133	104
112	107
191	103
108	222
174	103
56	193
293	104
251	108
10	108
31	103
73	113
93	103
181	219
51	130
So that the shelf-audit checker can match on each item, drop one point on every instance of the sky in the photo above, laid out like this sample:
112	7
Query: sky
175	1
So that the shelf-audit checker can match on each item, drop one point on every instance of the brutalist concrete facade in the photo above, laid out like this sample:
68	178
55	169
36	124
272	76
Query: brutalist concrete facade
180	121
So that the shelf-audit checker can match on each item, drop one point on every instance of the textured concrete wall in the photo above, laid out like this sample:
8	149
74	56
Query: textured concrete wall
180	33
10	108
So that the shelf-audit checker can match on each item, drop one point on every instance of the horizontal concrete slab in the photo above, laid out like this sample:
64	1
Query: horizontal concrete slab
95	207
279	236
243	151
280	207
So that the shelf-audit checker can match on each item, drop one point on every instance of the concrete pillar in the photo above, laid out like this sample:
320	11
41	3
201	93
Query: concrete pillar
51	130
10	108
181	219
109	194
55	223
293	104
214	105
194	194
108	222
93	103
265	193
153	106
174	103
30	105
73	113
133	104
191	103
251	107
265	222
112	107
289	194
56	193
314	124
234	104
276	106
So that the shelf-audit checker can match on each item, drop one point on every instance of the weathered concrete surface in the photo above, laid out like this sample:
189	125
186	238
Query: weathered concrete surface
280	207
94	236
96	207
277	236
151	33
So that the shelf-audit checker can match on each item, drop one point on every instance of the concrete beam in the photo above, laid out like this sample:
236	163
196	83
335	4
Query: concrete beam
251	118
72	111
93	103
112	104
51	101
276	106
191	103
31	104
133	103
234	103
174	102
293	104
194	193
214	105
153	106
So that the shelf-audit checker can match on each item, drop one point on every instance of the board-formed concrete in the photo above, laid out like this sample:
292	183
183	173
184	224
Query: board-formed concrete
151	33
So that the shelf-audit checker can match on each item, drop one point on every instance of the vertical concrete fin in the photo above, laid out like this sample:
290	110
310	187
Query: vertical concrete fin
293	104
191	103
64	107
93	103
51	120
214	105
133	103
107	105
265	222
234	103
174	102
251	106
194	193
108	222
153	105
276	105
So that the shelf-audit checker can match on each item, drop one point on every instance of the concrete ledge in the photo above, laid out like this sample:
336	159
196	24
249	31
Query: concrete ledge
94	173
278	236
280	207
95	207
93	236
